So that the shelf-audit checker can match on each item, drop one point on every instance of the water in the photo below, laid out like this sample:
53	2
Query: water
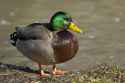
103	20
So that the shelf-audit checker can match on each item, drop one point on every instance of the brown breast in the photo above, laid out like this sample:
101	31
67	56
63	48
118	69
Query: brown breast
65	46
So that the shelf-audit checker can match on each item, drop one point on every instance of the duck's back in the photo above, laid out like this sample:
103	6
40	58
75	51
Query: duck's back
33	31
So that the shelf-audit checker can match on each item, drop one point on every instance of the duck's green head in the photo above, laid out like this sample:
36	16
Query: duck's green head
61	20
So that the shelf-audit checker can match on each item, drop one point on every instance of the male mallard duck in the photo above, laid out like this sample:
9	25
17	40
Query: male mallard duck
48	43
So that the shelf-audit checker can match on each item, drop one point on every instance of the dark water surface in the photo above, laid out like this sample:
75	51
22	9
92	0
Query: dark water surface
104	21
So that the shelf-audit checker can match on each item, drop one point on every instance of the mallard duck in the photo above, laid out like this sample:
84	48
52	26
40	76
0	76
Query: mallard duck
48	43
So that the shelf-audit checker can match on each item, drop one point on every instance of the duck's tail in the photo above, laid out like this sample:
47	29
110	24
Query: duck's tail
13	38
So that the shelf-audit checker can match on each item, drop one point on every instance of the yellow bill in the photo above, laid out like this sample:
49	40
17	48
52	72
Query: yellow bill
74	28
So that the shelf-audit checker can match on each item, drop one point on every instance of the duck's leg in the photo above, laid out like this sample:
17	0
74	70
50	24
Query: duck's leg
41	72
58	72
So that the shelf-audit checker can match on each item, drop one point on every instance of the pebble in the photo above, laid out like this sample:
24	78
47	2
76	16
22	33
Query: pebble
12	13
117	19
5	22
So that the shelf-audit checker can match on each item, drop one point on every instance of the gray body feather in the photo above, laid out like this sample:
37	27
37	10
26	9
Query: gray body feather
35	42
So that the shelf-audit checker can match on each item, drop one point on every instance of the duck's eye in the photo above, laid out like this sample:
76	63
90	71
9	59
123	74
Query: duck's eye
68	19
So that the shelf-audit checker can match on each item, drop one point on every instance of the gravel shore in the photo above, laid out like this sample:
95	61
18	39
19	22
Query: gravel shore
102	73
